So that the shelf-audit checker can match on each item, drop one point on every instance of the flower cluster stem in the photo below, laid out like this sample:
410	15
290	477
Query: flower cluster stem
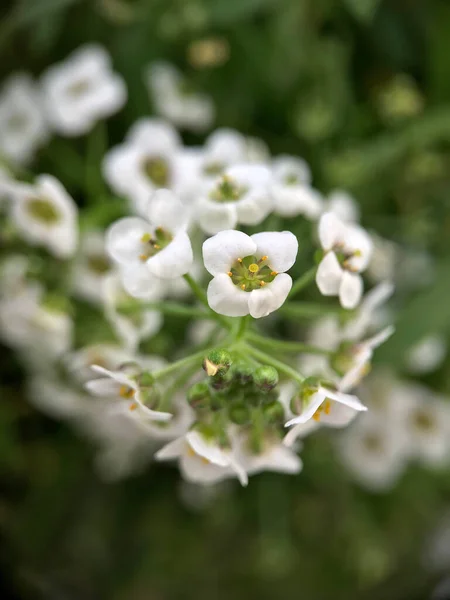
269	360
282	346
303	281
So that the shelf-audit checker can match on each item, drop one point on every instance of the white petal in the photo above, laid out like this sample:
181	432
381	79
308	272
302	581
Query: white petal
174	260
165	210
379	338
254	207
138	282
350	290
123	239
103	387
291	201
226	298
347	399
329	275
314	402
215	216
340	415
269	298
172	450
300	430
330	230
206	449
280	246
223	249
155	415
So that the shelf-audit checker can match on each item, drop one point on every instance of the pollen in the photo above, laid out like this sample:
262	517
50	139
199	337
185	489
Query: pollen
316	415
243	286
262	283
230	274
143	257
126	392
273	273
253	268
263	258
133	406
156	246
327	407
239	260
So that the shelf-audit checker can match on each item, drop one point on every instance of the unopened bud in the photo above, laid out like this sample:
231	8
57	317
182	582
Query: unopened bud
199	395
239	413
265	378
242	372
217	362
145	379
274	412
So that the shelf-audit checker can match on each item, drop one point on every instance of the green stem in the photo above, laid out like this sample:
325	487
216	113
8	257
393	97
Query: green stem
179	364
303	281
166	400
298	310
243	326
283	346
269	360
168	308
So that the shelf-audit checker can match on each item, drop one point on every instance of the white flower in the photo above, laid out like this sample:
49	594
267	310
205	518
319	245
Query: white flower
126	389
133	327
186	109
202	460
22	124
249	271
240	195
92	267
348	250
108	356
426	355
291	190
343	206
46	215
272	456
81	91
150	158
373	450
161	244
55	398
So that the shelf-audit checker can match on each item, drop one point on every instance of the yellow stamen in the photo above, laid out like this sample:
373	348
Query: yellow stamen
143	257
156	246
230	274
262	283
126	392
243	286
204	460
327	407
239	260
253	268
264	258
316	415
133	406
273	273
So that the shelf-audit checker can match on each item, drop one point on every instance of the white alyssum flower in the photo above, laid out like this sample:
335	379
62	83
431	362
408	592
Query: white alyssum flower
82	90
291	189
426	355
249	271
127	390
347	249
240	195
107	355
173	100
150	158
22	124
343	205
273	456
160	244
91	267
131	327
46	215
202	460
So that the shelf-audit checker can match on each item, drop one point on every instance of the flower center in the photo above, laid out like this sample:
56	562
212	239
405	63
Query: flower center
227	190
43	210
17	122
344	256
213	168
423	421
157	170
325	407
152	244
291	179
98	264
78	88
372	442
251	273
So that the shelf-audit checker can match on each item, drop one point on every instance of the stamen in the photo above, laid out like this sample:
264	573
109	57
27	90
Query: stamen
253	268
230	274
126	392
263	258
243	286
262	283
156	246
239	260
273	273
143	257
327	407
133	406
316	415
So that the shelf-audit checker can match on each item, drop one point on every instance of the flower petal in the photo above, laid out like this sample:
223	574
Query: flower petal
172	450
214	216
211	451
329	275
138	282
254	206
281	247
347	399
331	230
123	239
226	298
167	211
221	250
174	260
269	298
314	403
350	289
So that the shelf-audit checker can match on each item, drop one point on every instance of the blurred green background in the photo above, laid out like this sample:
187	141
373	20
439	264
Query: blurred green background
361	90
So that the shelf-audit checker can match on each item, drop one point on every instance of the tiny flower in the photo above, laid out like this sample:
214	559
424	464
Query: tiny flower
225	148
175	102
149	159
92	267
240	195
108	356
347	250
249	271
82	90
426	355
22	125
202	460
126	389
161	243
291	190
46	215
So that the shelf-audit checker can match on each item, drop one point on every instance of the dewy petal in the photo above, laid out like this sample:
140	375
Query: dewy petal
280	246
330	230
314	402
214	216
329	275
221	250
123	239
206	449
226	298
174	260
269	298
165	210
350	290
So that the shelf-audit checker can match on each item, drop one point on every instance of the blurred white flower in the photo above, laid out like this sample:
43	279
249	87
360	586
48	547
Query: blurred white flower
273	456
82	90
45	215
202	460
56	398
22	124
240	195
174	101
91	267
78	363
249	271
426	355
343	205
348	249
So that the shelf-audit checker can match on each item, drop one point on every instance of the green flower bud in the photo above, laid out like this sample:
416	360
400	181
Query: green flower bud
217	361
266	378
221	381
199	395
239	413
145	379
274	412
242	372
